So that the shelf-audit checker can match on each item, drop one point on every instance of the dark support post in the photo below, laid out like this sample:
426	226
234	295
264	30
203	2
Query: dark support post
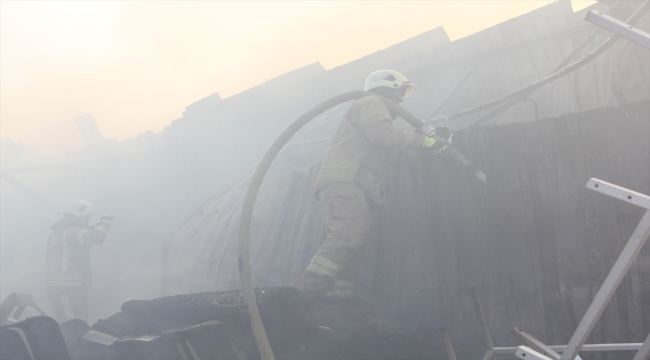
535	106
481	319
449	348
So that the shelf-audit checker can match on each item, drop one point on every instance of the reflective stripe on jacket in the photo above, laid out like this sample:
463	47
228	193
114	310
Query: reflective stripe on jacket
68	280
362	148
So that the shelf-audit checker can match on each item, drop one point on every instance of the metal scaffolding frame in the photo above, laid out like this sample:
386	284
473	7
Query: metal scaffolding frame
619	28
536	349
619	269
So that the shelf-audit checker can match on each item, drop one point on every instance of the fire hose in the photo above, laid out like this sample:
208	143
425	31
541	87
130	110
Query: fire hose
243	261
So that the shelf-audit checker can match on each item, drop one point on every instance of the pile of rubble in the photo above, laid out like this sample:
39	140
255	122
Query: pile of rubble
216	325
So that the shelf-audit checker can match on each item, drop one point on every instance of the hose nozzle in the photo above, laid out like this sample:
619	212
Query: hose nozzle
430	131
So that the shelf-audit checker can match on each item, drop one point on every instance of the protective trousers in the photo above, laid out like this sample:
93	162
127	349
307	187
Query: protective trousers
336	265
69	303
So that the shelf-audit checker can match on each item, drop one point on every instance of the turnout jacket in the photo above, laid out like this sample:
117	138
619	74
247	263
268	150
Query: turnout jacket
363	146
68	255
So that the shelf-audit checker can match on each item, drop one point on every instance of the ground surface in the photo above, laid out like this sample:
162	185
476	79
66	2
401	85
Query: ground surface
299	326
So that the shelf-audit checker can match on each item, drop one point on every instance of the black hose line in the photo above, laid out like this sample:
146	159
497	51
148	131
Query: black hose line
245	277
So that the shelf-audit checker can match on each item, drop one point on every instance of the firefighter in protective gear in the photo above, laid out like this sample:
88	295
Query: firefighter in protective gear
350	181
68	274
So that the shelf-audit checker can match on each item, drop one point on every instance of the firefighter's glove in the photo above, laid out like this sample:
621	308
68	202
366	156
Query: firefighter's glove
105	220
437	147
428	142
443	150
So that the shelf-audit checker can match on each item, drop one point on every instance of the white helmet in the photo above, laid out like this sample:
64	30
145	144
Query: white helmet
79	208
391	79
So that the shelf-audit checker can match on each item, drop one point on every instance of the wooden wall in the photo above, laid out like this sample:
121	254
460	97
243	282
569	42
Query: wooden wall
538	243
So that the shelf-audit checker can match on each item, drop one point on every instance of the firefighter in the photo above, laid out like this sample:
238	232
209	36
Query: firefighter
68	274
350	181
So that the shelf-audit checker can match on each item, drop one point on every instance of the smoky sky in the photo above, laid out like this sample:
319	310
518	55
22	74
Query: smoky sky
135	65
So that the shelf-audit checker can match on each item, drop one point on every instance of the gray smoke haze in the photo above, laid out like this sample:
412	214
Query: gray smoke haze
154	182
